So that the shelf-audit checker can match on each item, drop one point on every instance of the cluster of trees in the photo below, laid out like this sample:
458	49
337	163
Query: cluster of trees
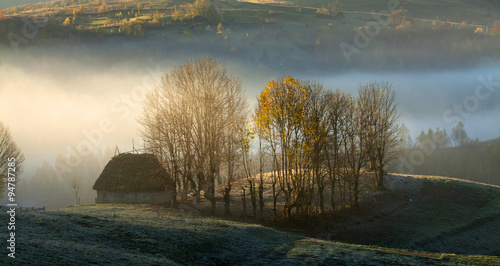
432	135
315	140
459	136
475	161
332	10
438	137
132	28
67	22
398	16
79	10
201	10
103	7
454	155
192	122
321	139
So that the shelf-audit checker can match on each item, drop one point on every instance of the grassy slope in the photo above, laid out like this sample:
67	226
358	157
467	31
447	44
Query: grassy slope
424	213
293	38
357	12
10	3
129	234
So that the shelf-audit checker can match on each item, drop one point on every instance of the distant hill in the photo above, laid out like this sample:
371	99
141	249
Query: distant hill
10	3
285	34
478	161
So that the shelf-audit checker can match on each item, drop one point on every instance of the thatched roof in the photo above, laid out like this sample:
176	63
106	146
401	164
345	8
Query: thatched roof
132	172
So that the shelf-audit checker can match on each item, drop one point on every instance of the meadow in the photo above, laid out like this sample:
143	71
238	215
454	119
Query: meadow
418	220
411	220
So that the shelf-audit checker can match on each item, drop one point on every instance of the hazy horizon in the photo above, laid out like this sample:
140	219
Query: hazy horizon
63	100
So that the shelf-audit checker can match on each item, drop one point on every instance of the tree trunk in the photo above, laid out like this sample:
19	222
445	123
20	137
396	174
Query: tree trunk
261	185
227	201
355	193
212	198
253	198
197	198
275	199
174	197
244	198
174	192
321	199
332	193
380	180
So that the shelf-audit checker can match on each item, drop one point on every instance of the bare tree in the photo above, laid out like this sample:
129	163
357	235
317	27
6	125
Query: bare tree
192	120
316	134
336	111
380	117
459	135
404	135
75	186
9	153
354	135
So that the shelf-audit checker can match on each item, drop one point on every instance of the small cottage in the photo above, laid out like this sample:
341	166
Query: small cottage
133	178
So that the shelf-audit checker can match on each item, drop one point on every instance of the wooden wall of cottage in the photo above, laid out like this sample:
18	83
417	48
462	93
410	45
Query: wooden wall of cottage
155	197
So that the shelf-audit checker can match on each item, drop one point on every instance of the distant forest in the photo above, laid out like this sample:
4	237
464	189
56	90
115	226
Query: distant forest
432	154
476	161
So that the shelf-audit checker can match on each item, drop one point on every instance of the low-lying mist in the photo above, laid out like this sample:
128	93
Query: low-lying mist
57	101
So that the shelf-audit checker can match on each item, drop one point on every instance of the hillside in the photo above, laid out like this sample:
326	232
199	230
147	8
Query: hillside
423	213
475	161
11	3
133	234
290	35
417	220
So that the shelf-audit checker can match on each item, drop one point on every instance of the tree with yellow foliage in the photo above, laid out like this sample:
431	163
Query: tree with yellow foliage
323	139
103	8
139	7
67	22
220	28
280	119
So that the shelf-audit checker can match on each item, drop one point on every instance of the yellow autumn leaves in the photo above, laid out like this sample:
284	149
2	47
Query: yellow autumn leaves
281	107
